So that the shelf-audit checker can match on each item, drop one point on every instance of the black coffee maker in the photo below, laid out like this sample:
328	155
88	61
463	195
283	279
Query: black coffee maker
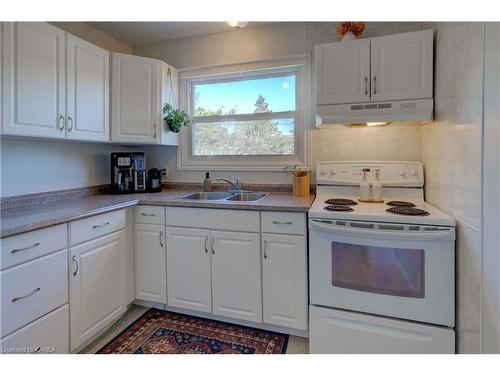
128	172
154	180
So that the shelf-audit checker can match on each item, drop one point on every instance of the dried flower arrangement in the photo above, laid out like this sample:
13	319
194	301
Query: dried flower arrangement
356	28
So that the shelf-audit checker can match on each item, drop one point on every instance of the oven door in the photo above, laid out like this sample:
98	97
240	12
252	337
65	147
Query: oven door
396	270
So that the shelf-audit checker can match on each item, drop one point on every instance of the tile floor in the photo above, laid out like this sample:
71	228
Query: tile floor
296	345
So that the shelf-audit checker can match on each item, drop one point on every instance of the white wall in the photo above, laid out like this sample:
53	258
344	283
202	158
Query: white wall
282	39
452	160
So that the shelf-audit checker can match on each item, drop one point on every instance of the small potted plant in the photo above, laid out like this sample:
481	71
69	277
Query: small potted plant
300	177
175	119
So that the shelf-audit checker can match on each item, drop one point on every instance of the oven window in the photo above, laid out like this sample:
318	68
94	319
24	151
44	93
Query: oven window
391	271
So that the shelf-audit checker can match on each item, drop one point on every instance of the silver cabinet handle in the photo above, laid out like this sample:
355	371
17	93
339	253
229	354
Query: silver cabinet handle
213	245
366	85
68	122
34	291
77	266
282	222
60	126
100	225
13	251
206	241
144	214
265	249
161	235
374	85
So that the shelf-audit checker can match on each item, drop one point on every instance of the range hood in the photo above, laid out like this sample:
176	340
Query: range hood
390	111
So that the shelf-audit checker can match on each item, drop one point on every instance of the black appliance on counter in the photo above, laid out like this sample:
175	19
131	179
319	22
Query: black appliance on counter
154	180
128	172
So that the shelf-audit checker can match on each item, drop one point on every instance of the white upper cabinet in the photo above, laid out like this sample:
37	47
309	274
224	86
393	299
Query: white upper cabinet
401	66
33	80
55	85
343	72
140	87
393	67
88	90
135	99
236	280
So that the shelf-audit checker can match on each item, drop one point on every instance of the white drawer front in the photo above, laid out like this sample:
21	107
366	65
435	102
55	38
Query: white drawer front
284	222
47	335
96	226
149	214
33	289
25	247
213	218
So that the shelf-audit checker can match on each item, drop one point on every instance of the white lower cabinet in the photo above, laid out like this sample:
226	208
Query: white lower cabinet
284	280
47	335
150	265
188	269
96	286
236	281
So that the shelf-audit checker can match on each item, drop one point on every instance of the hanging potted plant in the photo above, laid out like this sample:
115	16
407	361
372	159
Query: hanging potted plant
175	119
300	177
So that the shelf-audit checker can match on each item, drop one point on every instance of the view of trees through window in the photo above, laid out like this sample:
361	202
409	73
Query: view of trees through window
271	134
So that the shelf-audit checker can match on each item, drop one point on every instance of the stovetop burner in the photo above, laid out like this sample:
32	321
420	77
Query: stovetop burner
341	202
400	204
337	207
412	211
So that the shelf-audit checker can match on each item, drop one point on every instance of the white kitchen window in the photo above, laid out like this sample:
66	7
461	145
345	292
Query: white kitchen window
246	116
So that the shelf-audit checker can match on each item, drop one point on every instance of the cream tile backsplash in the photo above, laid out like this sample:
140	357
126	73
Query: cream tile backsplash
452	160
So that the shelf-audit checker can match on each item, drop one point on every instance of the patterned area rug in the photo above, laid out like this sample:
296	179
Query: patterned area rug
163	332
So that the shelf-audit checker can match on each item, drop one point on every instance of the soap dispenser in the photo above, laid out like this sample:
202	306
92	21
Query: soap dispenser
207	182
364	187
377	187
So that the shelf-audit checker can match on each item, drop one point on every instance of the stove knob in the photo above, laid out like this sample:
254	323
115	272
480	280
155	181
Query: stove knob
402	172
332	172
323	172
414	172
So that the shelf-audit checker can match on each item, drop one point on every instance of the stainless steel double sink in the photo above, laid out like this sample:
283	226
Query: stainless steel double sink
226	196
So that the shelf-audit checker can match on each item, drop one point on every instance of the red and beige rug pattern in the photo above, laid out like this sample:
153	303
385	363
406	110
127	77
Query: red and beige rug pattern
163	332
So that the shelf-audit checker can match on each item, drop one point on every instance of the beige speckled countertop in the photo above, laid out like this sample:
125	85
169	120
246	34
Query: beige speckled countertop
20	220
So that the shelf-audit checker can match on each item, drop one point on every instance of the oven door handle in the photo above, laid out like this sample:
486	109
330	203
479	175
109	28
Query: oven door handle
432	234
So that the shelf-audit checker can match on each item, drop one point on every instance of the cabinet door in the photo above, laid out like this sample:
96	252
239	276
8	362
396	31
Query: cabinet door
284	280
343	72
134	99
236	281
188	269
150	266
401	66
170	95
97	286
88	90
33	80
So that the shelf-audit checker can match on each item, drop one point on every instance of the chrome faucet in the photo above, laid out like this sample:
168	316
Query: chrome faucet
235	182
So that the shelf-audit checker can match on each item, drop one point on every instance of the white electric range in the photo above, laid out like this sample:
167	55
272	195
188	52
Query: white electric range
381	274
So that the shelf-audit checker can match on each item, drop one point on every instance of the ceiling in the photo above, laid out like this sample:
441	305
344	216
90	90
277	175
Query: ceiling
138	33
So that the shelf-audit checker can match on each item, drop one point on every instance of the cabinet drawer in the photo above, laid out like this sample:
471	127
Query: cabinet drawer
28	246
284	222
33	289
96	226
149	214
213	218
49	334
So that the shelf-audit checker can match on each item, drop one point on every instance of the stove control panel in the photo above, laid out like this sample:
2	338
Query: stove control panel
402	174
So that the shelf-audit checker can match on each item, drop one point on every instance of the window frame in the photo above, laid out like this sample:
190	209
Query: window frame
298	65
